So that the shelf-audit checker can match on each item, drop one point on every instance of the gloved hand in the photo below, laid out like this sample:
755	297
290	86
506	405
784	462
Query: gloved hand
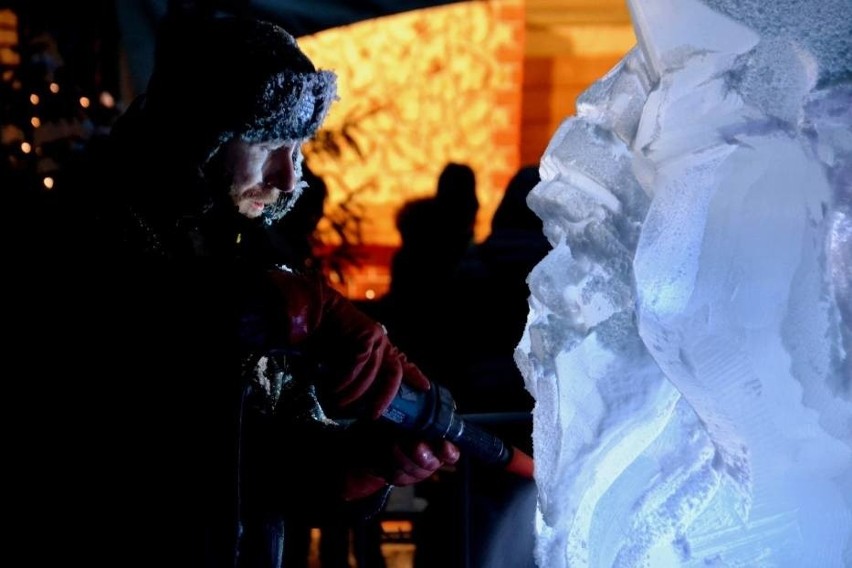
360	367
380	460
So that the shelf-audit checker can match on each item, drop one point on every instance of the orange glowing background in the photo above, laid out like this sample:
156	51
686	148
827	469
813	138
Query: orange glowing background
418	90
8	38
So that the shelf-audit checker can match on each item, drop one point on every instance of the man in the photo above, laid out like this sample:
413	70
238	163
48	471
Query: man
223	367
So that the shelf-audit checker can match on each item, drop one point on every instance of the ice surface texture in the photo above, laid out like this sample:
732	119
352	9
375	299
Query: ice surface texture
689	344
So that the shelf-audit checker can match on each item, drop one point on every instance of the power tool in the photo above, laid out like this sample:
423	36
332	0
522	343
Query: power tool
432	414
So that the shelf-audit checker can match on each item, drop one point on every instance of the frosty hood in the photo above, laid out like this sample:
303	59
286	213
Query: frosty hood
228	77
215	80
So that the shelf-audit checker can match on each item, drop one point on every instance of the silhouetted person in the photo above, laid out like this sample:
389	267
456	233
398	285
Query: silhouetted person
458	205
485	314
435	233
489	303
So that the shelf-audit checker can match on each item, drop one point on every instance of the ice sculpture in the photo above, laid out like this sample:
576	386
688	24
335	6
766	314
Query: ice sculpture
689	343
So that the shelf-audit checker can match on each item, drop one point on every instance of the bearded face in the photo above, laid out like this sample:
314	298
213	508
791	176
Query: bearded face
264	177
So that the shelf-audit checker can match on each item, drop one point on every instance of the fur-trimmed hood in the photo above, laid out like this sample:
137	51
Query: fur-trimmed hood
227	77
214	80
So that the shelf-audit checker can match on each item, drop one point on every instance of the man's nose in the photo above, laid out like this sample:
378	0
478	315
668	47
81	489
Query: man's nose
280	173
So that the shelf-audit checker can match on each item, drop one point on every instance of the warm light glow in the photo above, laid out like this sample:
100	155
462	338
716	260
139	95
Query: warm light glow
34	99
417	90
370	294
107	100
8	19
9	56
85	102
392	526
9	53
26	147
48	182
54	88
35	121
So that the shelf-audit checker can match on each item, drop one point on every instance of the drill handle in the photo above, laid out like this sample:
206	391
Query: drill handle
433	415
479	444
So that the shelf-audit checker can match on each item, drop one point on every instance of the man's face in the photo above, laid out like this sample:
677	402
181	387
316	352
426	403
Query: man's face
260	174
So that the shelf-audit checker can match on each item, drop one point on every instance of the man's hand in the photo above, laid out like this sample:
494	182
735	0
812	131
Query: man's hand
404	463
